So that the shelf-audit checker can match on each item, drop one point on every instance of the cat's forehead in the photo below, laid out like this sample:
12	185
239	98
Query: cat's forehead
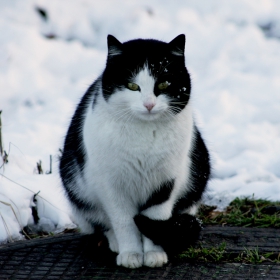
146	46
151	70
144	77
154	55
144	51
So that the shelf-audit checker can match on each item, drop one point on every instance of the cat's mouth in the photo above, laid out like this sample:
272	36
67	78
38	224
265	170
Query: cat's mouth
149	114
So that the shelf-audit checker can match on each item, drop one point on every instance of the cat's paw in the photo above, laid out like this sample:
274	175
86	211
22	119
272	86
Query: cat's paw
155	259
130	259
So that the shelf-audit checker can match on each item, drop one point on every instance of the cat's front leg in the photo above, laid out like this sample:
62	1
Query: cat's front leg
129	241
154	255
130	245
112	240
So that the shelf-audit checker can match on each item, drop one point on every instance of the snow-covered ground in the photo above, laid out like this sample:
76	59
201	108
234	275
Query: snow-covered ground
233	55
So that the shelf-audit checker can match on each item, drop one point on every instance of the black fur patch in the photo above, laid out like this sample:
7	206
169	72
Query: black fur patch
158	197
200	173
73	156
174	235
79	203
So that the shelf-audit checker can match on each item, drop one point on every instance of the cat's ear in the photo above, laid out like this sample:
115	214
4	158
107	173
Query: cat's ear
177	45
114	46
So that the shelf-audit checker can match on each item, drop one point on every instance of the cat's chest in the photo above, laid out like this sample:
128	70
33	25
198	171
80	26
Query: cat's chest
135	147
147	142
146	148
134	157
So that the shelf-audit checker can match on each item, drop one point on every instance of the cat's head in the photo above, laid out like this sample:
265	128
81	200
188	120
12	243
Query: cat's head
146	79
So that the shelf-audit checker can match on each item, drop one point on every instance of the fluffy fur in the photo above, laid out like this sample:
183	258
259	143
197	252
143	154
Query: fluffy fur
135	157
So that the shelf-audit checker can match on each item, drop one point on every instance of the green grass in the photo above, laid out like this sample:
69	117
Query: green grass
245	212
199	253
220	254
254	256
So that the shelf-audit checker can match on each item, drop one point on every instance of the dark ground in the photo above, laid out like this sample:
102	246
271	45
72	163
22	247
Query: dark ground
75	256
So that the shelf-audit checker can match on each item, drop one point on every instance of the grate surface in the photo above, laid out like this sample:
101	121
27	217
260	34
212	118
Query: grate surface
75	256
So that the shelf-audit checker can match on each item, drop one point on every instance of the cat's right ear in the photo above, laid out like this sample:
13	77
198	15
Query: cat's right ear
177	45
114	46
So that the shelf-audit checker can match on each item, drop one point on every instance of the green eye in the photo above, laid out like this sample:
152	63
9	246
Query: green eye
164	85
133	86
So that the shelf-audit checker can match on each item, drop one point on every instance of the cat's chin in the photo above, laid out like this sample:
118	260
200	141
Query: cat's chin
149	116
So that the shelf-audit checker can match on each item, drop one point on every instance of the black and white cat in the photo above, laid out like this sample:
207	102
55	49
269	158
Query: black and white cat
133	155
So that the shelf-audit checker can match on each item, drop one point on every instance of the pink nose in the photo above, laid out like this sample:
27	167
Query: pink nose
149	106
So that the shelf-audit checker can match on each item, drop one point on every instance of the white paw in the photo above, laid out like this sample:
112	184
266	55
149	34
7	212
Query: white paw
155	259
130	259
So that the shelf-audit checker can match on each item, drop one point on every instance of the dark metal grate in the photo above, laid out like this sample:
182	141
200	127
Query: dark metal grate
74	256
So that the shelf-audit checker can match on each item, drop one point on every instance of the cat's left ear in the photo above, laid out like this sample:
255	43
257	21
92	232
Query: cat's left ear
114	46
177	45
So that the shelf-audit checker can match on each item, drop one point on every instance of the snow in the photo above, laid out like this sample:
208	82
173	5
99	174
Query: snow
232	52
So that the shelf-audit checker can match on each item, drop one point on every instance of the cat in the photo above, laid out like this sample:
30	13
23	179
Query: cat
133	160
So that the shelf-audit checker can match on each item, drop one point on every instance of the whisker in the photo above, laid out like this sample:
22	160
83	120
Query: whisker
174	109
179	102
130	116
122	113
170	113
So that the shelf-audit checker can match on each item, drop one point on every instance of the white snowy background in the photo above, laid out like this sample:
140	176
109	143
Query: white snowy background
232	52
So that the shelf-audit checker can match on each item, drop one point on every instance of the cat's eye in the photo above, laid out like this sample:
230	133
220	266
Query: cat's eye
133	86
164	85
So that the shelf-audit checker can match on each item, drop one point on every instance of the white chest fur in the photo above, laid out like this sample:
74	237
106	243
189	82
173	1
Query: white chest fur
129	158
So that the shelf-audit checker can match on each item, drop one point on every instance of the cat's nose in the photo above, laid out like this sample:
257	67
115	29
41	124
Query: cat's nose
149	106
